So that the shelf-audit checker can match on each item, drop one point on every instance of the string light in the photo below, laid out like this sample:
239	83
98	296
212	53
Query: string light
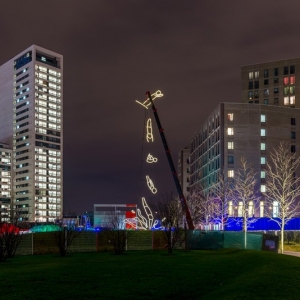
147	102
151	159
150	184
149	134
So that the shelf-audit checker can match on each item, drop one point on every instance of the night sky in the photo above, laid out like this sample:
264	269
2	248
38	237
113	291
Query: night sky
115	51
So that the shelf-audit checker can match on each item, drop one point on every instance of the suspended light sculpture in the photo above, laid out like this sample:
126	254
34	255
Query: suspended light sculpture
151	159
149	132
142	222
150	184
147	102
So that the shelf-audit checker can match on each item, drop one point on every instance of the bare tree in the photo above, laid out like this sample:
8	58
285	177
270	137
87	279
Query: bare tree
222	194
203	205
169	212
64	237
116	232
196	205
245	195
283	187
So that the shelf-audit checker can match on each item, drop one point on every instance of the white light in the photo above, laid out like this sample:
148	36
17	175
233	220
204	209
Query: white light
151	159
150	184
147	102
149	134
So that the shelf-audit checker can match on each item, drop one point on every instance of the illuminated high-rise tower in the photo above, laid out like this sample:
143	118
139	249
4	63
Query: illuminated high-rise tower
31	98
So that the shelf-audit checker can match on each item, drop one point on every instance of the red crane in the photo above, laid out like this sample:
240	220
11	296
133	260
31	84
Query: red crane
173	170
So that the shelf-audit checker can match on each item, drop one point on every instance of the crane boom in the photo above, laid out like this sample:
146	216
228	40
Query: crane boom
171	164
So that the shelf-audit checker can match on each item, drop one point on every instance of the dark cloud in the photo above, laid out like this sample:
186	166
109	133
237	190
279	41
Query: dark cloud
114	51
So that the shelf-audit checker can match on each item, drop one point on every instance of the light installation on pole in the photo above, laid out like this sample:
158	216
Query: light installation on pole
147	102
171	164
147	221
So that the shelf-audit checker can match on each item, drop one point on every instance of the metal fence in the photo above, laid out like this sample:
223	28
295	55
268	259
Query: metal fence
86	241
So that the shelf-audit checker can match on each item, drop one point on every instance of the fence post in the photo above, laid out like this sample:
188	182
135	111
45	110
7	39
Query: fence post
31	243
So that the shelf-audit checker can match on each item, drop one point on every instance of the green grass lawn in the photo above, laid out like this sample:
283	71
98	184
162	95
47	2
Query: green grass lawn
223	274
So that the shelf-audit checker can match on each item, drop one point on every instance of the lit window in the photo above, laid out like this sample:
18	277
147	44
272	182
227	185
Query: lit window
263	118
230	131
262	132
230	173
230	145
230	117
292	80
250	75
292	89
262	146
43	58
250	209
275	209
286	90
262	160
292	100
240	209
286	80
266	92
250	95
256	74
286	100
262	174
261	209
263	188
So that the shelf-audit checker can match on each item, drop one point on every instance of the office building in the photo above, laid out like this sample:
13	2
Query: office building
31	98
268	114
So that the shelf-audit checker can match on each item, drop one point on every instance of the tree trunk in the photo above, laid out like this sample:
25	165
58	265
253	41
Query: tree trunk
282	235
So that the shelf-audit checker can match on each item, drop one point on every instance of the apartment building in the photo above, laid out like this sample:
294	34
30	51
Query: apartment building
31	116
234	130
6	182
273	83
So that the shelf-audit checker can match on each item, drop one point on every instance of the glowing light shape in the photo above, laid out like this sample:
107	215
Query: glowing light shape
151	159
147	102
149	134
142	222
150	184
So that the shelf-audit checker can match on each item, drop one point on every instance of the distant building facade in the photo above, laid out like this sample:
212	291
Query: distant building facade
268	114
184	169
6	182
31	98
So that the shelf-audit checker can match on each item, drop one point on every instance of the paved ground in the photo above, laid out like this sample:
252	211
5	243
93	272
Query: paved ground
292	253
